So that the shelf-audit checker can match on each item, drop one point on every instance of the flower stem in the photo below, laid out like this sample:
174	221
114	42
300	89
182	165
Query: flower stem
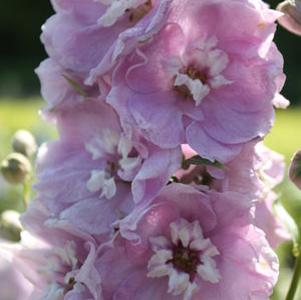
26	193
295	280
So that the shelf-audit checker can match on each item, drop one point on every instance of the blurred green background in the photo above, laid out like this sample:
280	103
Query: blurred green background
21	52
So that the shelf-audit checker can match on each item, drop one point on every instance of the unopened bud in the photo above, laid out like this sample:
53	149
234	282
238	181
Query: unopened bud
295	169
292	15
10	225
15	168
24	142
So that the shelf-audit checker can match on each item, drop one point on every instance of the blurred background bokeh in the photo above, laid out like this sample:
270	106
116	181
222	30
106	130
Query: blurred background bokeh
21	52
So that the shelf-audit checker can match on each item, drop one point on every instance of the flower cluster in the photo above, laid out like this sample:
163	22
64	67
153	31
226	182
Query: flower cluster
159	186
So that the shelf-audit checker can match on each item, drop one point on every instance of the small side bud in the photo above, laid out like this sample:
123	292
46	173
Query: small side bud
24	142
10	225
295	169
292	15
15	168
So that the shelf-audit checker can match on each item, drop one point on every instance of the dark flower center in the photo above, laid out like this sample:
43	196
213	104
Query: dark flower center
198	175
194	74
112	167
185	260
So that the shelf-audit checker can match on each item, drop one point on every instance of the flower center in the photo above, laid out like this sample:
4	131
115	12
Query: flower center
195	75
60	271
185	258
197	175
199	70
120	158
112	168
135	9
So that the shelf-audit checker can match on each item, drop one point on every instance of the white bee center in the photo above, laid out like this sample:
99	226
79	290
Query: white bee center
61	269
199	71
116	150
186	257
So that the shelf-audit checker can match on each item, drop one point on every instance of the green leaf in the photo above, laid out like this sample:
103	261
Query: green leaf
198	160
76	86
173	179
26	193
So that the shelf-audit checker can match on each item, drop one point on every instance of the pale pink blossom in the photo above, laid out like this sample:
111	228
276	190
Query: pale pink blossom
195	82
191	246
95	174
13	285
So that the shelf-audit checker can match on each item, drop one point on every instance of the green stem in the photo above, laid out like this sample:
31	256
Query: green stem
26	193
295	279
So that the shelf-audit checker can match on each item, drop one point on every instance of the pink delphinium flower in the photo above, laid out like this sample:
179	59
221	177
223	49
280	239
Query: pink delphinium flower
61	88
57	257
238	175
191	246
109	222
270	167
94	174
60	272
197	83
84	34
13	285
253	173
266	218
84	40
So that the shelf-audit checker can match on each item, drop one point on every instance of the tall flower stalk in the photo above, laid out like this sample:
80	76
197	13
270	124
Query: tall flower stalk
159	186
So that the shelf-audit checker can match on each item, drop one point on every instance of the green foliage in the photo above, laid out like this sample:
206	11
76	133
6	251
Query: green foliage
14	115
21	114
285	137
200	161
76	86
